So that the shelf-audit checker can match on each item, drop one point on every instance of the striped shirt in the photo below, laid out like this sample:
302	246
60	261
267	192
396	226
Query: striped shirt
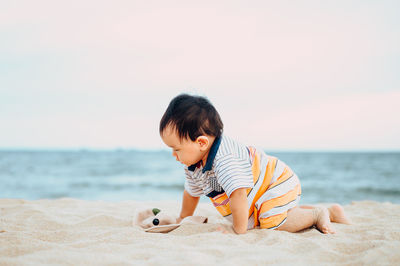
272	187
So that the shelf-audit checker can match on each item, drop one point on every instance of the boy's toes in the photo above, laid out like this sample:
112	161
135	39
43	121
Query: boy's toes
326	229
323	222
329	230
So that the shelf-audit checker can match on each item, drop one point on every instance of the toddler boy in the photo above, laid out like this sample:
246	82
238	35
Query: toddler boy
250	188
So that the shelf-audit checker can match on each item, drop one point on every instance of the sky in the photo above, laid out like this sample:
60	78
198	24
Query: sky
284	75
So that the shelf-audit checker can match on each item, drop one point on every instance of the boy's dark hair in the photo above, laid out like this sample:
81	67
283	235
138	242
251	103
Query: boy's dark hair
192	116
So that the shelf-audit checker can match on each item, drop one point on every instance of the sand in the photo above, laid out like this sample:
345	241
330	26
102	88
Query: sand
76	232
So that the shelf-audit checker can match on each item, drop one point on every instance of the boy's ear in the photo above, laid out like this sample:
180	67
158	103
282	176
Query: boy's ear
203	141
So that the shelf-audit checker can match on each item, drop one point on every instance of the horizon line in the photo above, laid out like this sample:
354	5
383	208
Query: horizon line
109	149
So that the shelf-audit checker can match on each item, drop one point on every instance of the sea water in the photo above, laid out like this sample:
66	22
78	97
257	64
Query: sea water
118	175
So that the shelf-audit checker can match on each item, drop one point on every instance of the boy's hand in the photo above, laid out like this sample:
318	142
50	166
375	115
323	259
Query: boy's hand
189	204
239	207
179	220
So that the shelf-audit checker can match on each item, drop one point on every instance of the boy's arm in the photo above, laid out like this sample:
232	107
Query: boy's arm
189	204
239	208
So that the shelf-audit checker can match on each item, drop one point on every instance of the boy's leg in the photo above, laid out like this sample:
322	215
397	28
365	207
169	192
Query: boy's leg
302	218
336	213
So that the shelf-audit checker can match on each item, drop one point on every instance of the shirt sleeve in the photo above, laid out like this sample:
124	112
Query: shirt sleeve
233	173
191	186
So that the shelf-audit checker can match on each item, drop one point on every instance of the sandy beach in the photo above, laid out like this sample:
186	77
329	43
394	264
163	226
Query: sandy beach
77	232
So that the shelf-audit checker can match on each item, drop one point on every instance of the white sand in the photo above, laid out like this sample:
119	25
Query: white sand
76	232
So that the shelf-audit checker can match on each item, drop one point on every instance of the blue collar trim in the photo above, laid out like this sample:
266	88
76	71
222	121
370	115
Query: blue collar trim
192	167
210	158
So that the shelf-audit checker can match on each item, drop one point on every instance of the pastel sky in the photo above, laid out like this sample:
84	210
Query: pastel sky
284	75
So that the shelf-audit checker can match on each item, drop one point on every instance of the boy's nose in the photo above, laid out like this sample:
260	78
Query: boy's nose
175	155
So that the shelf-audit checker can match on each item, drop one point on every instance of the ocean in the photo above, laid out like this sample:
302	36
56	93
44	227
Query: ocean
119	175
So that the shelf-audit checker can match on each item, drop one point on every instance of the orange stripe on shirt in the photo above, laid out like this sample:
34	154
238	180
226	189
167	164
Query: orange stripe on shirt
269	172
272	221
222	204
255	168
281	200
287	173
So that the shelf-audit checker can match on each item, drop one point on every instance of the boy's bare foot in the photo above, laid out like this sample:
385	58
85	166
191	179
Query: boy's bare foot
336	214
322	220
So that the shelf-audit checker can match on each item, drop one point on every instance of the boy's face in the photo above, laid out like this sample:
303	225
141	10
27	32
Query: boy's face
185	151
